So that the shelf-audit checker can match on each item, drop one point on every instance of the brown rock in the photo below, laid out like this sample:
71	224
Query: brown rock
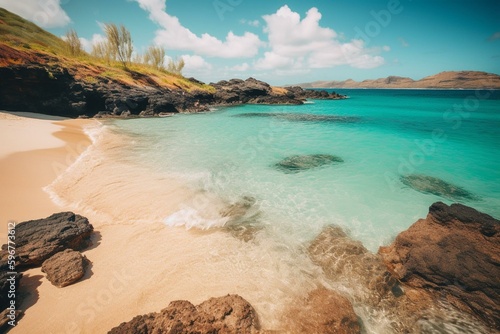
343	258
229	314
37	240
323	311
455	253
65	268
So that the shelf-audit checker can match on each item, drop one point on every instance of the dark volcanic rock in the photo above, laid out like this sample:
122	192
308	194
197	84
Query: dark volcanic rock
37	240
322	311
65	268
229	314
454	252
300	93
432	185
297	163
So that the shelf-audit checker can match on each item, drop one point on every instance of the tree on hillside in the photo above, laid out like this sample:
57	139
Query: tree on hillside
155	56
176	66
119	42
102	50
73	42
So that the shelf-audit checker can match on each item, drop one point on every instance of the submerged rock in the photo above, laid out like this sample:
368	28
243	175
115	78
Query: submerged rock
37	240
454	253
322	311
296	117
223	315
243	217
65	268
297	163
432	185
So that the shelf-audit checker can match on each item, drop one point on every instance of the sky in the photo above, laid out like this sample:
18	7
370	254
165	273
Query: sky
292	41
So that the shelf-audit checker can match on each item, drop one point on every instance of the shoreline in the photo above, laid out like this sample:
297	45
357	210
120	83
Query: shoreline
139	264
38	149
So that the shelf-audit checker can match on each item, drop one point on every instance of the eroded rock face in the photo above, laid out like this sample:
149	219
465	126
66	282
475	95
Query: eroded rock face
432	185
37	240
223	315
297	163
454	252
65	268
322	311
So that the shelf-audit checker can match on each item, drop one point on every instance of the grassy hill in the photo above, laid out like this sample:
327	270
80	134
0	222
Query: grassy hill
24	43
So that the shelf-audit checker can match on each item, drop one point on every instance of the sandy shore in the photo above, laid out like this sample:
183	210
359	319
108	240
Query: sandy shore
139	264
33	152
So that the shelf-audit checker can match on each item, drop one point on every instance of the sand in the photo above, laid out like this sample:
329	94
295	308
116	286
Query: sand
139	264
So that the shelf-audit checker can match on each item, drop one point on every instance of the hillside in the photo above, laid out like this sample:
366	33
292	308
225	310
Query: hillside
39	74
443	80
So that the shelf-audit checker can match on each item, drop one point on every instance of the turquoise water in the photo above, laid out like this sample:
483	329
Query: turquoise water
380	134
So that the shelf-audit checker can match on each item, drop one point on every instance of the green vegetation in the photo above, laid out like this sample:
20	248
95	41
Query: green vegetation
18	32
111	59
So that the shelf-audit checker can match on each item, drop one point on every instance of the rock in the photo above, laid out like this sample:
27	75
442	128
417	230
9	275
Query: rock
343	258
454	253
322	311
432	185
243	218
65	268
8	282
4	319
37	240
229	314
297	163
300	93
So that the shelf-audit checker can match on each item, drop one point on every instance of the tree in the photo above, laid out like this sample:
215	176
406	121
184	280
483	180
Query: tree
155	56
102	50
73	42
176	66
119	42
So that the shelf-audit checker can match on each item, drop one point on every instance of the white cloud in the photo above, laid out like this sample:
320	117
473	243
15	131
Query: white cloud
241	68
88	43
253	23
298	43
44	13
195	62
174	36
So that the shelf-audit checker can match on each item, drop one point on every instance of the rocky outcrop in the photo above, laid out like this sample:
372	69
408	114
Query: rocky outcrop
56	90
65	268
313	94
38	240
455	254
229	314
298	163
322	311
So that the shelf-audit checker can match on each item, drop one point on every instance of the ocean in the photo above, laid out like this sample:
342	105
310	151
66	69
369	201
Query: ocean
384	157
381	136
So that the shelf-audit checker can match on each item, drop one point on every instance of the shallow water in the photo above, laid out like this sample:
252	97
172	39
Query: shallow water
380	134
217	172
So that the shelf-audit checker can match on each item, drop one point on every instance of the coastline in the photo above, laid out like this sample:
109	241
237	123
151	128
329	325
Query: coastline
37	150
139	264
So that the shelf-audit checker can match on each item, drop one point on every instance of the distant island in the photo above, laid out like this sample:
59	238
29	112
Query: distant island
443	80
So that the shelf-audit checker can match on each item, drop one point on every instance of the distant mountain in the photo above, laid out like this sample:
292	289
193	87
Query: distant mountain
461	79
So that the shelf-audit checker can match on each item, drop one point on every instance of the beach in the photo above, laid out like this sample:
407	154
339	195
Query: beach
138	264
